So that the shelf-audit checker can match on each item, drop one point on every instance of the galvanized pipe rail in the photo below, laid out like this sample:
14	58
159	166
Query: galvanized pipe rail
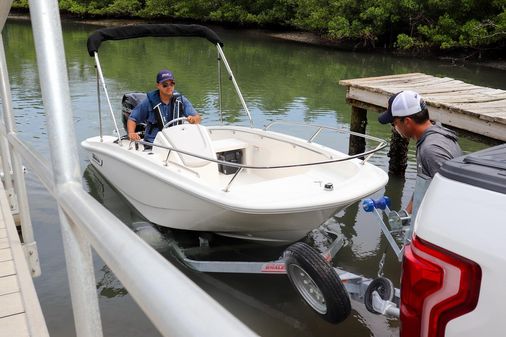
168	298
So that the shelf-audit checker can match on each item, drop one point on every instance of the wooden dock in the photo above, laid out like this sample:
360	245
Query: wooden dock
20	312
475	109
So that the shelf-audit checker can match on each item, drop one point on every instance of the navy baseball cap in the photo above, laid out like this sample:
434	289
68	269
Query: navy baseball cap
402	104
165	75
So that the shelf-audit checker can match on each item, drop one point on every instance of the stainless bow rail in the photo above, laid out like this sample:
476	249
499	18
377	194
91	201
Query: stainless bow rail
365	155
156	285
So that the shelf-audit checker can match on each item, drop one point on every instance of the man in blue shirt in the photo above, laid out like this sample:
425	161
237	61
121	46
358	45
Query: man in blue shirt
160	107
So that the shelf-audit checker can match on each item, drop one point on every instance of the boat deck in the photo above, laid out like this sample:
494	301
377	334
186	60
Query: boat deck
20	311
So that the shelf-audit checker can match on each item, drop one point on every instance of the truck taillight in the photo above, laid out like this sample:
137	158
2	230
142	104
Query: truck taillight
437	286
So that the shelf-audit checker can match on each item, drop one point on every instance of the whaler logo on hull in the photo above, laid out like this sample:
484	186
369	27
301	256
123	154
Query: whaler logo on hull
274	267
96	159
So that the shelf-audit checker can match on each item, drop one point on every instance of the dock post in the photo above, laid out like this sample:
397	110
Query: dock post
358	124
398	154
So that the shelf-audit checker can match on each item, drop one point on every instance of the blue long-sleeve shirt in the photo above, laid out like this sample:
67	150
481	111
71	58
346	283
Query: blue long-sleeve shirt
144	113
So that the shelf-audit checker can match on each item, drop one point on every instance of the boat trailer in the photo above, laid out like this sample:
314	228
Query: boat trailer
326	289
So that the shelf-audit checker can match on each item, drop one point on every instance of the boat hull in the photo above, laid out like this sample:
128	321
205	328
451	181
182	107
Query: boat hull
275	207
166	205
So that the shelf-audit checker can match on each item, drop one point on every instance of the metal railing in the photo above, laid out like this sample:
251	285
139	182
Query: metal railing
365	155
168	298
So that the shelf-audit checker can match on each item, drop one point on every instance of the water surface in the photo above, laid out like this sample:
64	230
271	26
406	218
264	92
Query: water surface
280	81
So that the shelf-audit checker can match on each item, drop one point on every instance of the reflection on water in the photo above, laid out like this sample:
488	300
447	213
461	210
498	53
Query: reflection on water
108	285
280	81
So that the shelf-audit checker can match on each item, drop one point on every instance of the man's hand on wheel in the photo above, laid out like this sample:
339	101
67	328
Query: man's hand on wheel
194	119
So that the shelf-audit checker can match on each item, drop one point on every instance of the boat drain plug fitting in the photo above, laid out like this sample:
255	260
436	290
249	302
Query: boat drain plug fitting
328	187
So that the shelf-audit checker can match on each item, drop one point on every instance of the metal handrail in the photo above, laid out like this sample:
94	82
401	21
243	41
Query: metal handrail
227	163
382	143
341	130
153	282
366	154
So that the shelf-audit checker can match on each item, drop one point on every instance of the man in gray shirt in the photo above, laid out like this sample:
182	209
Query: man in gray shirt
408	113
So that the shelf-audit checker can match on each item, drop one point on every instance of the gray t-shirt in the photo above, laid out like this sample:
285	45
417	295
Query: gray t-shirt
437	145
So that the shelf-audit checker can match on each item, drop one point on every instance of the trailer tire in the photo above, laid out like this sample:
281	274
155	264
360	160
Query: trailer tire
385	289
317	282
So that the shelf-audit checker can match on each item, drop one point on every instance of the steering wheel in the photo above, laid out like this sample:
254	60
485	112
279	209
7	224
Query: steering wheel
176	120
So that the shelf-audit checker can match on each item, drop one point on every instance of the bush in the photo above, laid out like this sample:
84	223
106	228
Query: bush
403	24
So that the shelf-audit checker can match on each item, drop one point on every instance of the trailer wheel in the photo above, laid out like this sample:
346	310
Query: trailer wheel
317	282
385	289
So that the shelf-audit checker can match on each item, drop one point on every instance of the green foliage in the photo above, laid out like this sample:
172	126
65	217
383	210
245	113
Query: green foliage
405	42
404	24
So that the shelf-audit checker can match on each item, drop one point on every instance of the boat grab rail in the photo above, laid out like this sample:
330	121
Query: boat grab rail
366	154
382	143
323	127
227	163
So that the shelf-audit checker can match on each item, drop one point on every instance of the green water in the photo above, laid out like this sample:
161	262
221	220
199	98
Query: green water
280	81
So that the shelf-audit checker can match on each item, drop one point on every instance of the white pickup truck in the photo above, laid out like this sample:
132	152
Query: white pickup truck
454	271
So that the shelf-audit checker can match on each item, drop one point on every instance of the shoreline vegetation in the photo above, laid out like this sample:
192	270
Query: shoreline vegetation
469	31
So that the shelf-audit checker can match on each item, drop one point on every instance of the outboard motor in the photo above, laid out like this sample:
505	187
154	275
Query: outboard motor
128	103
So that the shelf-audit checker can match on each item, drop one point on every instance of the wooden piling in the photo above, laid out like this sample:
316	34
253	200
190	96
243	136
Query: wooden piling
398	154
480	111
358	124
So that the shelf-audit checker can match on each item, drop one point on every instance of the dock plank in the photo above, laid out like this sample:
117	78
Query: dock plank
20	311
477	109
5	254
7	268
465	98
424	91
4	243
384	86
372	79
430	82
14	325
8	285
11	304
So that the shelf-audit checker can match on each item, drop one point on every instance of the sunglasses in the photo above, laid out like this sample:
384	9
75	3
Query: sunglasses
168	84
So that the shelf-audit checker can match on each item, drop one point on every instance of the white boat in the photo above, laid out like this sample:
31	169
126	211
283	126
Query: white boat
236	181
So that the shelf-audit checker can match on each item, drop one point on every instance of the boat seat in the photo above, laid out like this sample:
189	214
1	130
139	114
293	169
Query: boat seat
192	138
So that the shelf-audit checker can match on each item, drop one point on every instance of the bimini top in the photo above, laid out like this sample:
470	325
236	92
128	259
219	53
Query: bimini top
153	30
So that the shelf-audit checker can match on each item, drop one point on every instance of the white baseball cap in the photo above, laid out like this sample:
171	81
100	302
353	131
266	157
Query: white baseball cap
402	104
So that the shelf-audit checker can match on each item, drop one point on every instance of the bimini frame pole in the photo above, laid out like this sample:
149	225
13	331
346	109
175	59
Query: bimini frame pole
236	86
101	76
219	87
99	107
